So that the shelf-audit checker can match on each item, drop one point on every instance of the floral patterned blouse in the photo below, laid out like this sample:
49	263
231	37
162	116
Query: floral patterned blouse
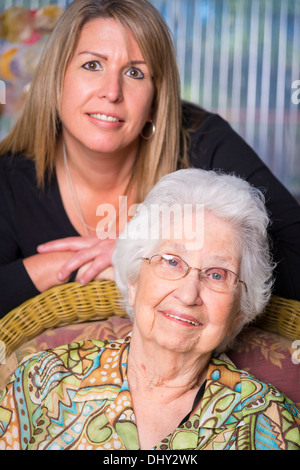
77	397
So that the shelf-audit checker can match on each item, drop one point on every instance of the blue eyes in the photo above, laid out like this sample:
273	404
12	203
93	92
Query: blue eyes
172	262
172	268
95	66
176	264
217	277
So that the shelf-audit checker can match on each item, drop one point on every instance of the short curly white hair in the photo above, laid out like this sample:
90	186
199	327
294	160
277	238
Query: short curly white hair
226	196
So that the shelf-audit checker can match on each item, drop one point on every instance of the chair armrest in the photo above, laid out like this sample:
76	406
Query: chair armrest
61	305
281	316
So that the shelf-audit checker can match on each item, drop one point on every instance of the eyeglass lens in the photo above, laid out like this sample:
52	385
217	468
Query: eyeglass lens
172	267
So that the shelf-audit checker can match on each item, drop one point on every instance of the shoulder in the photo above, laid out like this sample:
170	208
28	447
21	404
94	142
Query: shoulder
18	181
197	120
254	393
69	356
15	168
17	161
74	359
259	396
274	420
214	144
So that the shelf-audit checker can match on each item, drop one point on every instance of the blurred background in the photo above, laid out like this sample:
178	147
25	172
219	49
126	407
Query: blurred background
239	58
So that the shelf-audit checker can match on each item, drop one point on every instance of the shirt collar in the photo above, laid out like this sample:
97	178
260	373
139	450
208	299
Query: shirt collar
221	401
105	382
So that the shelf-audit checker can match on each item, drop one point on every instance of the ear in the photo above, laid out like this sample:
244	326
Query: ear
131	293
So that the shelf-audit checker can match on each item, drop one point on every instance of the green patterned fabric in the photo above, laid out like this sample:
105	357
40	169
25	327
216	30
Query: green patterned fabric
77	397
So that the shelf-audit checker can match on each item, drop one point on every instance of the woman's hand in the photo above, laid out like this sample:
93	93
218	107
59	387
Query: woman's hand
107	274
91	257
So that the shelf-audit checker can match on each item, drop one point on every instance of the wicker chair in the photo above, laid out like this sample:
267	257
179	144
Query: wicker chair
73	303
62	305
282	316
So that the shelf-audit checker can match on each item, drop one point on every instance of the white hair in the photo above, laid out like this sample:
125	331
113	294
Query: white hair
229	198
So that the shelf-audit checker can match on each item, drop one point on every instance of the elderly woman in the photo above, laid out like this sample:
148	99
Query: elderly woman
104	119
167	385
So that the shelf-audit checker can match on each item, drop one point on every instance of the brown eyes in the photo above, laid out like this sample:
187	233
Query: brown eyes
92	66
95	66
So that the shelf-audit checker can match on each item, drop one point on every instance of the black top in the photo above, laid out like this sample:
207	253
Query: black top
29	216
197	398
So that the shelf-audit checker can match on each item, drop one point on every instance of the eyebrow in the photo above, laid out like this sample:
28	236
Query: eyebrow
221	259
104	57
213	258
176	246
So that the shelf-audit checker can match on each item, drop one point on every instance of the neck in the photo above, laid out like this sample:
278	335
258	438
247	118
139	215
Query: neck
168	373
99	172
87	179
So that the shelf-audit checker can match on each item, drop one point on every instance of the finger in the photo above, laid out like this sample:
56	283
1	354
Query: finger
107	274
98	265
81	271
67	244
100	262
79	259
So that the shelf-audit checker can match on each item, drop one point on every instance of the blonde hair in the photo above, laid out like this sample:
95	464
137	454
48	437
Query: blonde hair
39	124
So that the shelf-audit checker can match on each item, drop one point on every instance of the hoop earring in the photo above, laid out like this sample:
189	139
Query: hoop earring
153	128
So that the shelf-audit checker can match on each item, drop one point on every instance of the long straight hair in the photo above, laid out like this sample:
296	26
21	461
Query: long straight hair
39	126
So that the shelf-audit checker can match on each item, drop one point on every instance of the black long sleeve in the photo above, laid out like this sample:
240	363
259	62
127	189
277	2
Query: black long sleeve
28	217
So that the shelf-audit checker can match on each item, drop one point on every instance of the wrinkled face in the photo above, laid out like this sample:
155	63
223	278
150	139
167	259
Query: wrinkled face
185	315
108	90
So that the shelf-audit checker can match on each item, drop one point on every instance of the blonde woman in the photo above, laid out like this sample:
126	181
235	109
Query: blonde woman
94	127
104	119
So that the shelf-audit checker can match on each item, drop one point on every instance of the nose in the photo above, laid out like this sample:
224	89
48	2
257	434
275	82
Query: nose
189	289
110	87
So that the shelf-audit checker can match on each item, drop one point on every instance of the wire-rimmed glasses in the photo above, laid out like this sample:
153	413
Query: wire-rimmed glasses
172	267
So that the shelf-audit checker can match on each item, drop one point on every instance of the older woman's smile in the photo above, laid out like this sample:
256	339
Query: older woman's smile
186	320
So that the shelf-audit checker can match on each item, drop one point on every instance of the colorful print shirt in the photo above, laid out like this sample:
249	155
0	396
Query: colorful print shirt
77	397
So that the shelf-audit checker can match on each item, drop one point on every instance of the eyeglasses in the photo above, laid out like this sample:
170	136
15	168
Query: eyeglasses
172	268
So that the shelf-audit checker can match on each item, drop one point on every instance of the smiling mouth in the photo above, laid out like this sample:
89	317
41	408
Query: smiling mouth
105	117
182	319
